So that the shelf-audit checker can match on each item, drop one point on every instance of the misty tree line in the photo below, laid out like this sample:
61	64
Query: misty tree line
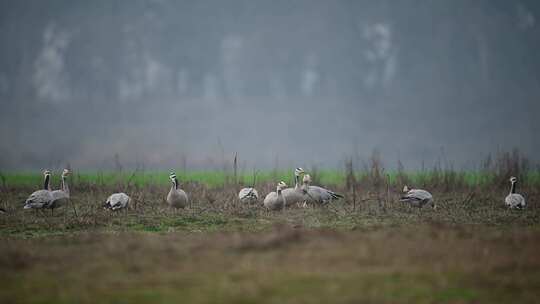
103	51
74	59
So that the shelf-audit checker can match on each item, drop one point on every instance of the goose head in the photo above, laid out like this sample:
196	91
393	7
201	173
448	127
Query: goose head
513	179
172	176
306	179
66	172
47	180
299	171
281	185
405	189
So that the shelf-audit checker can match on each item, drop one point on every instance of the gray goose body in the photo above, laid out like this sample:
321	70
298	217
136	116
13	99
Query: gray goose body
41	198
316	194
276	200
176	197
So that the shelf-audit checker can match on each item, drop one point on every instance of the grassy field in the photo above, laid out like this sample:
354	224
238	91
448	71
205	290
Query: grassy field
367	248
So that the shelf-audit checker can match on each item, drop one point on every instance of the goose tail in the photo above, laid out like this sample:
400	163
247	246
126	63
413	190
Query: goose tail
336	195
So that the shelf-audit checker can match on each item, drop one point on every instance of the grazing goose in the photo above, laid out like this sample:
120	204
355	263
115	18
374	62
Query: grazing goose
316	194
41	198
176	198
117	201
294	195
275	200
417	197
61	196
513	199
248	195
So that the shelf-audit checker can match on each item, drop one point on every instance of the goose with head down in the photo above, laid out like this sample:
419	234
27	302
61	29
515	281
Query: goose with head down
117	201
248	195
417	197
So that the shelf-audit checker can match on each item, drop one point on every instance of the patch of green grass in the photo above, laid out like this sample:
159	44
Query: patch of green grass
189	223
219	178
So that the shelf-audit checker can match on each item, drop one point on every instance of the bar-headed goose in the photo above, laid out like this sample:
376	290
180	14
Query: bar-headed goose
295	195
176	198
316	194
60	197
117	201
417	197
248	195
513	199
40	198
276	200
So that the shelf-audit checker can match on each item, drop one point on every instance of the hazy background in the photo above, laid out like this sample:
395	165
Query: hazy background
169	84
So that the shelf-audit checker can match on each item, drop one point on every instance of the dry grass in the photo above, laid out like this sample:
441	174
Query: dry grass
422	264
367	248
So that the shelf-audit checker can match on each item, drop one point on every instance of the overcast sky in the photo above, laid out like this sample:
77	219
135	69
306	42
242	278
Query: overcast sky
169	84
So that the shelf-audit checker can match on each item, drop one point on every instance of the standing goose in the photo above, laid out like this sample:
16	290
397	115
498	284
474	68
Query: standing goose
61	196
176	198
117	201
316	194
417	197
295	195
41	198
513	199
276	200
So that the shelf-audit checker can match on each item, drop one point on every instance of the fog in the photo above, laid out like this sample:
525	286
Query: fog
168	84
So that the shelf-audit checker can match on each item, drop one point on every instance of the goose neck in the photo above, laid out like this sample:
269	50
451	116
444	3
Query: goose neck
65	186
46	183
513	188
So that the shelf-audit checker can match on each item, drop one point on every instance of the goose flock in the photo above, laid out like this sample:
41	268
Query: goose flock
302	195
